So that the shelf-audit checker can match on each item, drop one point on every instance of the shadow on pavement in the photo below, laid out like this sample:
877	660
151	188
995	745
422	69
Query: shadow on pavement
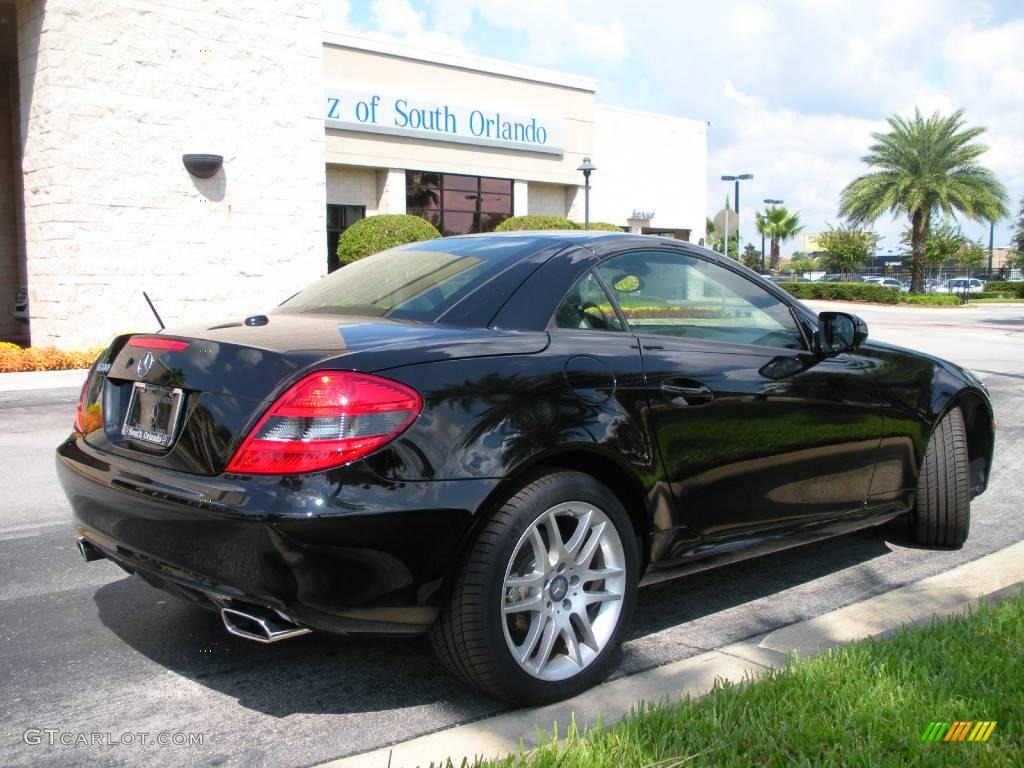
316	673
327	674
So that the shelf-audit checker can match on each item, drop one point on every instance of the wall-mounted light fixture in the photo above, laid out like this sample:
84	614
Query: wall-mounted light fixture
202	166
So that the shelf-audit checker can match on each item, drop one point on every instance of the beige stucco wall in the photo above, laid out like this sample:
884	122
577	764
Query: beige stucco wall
651	162
112	95
353	186
419	79
547	200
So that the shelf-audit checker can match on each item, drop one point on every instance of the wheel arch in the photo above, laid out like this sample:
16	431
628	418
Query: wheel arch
979	423
587	460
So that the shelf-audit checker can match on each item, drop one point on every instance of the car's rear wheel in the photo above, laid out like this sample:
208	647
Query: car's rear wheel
540	604
942	508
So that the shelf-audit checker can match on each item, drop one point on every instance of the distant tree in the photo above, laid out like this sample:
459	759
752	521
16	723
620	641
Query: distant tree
919	168
778	225
971	256
802	263
751	257
944	242
845	249
1017	243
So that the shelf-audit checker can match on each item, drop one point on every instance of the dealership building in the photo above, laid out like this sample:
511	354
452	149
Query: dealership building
310	130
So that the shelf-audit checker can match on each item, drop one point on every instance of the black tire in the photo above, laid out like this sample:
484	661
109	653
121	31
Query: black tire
942	507
469	636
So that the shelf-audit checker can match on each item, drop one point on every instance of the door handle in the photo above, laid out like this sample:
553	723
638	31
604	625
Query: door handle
679	395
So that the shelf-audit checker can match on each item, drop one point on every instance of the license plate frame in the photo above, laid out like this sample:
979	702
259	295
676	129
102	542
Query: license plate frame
161	407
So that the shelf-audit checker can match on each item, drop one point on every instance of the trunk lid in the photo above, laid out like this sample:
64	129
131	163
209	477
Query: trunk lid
188	408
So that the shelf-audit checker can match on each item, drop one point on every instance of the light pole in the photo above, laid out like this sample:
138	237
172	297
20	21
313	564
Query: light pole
736	205
772	203
587	167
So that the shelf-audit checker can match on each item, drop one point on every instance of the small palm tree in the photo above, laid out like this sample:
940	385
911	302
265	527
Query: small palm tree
778	225
921	167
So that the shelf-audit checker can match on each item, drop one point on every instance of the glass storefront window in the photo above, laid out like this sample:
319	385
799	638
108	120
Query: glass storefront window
457	204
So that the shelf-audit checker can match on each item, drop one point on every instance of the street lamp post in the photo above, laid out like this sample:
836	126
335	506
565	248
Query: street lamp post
772	203
736	205
587	168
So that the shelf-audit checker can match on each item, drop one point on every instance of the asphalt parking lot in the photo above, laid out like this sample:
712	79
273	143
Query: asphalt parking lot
86	649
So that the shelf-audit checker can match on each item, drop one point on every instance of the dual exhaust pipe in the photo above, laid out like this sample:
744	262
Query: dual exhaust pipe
260	624
253	622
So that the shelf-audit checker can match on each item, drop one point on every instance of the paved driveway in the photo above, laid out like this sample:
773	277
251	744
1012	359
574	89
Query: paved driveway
85	649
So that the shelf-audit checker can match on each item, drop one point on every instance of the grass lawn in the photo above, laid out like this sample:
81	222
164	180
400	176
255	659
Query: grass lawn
865	705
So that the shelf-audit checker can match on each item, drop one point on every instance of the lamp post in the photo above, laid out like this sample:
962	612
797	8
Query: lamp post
772	203
736	206
587	167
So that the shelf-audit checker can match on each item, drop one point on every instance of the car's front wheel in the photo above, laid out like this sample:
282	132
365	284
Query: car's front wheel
942	507
540	604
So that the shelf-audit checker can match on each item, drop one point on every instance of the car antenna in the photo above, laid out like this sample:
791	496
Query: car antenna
157	314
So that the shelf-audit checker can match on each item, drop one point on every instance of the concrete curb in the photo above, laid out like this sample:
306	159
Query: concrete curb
945	594
28	380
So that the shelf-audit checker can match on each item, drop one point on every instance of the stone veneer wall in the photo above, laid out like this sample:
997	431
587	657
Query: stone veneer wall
546	199
112	94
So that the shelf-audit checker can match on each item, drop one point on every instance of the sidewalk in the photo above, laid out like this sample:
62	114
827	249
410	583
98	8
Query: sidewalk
952	592
28	380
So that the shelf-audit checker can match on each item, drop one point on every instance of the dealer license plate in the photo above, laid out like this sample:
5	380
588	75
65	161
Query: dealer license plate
153	413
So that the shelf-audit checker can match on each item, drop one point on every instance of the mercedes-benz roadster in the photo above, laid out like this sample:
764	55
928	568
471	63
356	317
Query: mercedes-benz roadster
495	439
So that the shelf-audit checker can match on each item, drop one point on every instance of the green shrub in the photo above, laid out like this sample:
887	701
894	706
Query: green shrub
602	226
378	233
930	299
521	223
843	291
1016	290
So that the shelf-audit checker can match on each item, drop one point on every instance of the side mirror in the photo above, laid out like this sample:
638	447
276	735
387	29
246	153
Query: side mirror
840	332
627	283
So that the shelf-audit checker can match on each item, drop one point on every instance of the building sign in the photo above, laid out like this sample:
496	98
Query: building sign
812	242
403	115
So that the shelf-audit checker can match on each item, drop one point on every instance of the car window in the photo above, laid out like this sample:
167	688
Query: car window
587	307
674	294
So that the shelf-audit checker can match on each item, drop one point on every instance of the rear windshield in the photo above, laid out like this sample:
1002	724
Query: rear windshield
412	282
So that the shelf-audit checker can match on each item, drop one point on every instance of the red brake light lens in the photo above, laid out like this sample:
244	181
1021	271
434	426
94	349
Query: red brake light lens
327	419
156	342
80	410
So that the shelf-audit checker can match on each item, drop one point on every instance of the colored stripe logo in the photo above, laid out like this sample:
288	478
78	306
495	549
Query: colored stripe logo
960	730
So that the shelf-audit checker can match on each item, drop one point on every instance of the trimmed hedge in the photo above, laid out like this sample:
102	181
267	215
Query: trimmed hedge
1005	286
378	233
602	226
930	299
523	223
843	291
13	358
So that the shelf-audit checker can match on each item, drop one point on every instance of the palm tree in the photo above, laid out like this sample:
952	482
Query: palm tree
922	167
778	225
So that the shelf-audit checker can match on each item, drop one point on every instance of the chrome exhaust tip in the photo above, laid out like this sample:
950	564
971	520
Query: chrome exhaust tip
87	550
260	624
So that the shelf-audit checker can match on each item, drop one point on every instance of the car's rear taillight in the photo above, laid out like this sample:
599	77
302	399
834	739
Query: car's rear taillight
326	419
82	405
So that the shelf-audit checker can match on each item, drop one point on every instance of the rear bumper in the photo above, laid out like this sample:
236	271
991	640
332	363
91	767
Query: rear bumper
343	551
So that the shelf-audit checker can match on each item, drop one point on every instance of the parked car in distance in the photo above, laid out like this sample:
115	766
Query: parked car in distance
836	278
961	285
492	439
888	282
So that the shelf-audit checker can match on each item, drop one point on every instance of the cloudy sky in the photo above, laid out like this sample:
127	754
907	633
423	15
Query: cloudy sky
793	88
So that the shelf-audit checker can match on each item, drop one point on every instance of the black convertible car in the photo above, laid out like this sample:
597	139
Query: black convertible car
495	439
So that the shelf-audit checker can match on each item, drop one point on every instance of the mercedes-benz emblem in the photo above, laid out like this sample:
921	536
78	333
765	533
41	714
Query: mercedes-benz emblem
144	364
